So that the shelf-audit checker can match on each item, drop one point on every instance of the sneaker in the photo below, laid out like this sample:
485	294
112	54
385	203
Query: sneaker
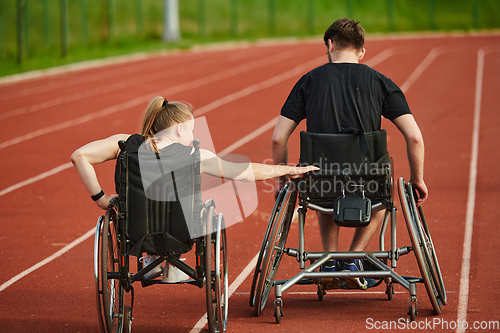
355	265
155	272
330	283
172	274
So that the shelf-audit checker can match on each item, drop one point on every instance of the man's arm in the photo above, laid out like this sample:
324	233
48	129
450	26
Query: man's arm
282	131
415	150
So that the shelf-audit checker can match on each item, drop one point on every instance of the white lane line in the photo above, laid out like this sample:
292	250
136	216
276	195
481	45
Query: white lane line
463	298
248	66
77	121
347	292
48	259
381	56
36	178
431	56
419	70
259	131
72	67
77	79
186	86
301	69
232	288
98	63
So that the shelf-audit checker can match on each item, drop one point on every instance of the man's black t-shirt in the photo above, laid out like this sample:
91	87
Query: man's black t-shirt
336	96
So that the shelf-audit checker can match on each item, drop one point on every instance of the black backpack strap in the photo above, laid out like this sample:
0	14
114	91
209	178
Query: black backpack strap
364	149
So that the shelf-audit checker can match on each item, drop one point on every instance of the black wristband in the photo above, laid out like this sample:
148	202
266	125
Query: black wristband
97	196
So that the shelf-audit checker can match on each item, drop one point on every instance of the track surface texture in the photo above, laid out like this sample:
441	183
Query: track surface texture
47	218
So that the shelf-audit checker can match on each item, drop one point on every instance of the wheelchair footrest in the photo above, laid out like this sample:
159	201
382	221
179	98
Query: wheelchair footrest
411	279
147	283
371	282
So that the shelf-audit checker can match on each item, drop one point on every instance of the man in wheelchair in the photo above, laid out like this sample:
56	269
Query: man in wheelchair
344	96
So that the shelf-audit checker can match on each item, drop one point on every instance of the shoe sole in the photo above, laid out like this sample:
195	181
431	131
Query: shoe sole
353	283
153	274
330	284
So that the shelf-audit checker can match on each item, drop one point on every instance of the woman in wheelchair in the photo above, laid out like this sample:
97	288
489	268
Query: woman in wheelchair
167	127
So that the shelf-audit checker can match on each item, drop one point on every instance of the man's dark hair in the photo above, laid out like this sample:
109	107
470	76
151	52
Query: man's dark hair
345	33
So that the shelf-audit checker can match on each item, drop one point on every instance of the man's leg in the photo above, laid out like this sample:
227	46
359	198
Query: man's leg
362	236
329	231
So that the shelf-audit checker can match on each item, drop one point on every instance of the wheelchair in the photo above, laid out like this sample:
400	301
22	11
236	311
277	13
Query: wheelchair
371	191
137	224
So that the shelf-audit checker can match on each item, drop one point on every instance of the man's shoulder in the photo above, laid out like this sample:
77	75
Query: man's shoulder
328	67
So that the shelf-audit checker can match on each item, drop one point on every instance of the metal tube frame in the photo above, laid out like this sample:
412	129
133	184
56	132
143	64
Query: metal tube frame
319	258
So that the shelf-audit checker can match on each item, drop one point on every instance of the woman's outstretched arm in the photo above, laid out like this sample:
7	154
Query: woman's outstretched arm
247	172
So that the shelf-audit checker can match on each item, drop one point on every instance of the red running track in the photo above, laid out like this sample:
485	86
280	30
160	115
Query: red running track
451	83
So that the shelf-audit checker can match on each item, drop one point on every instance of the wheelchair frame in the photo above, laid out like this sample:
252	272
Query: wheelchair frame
114	281
383	261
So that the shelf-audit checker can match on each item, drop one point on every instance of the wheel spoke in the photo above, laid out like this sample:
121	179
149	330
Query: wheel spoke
278	226
420	242
110	292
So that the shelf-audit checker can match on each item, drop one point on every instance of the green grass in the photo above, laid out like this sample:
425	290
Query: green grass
137	24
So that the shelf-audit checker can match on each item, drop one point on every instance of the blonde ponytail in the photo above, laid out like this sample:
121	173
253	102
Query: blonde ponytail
161	114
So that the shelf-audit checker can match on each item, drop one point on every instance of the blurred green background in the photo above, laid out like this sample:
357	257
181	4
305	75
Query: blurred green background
36	34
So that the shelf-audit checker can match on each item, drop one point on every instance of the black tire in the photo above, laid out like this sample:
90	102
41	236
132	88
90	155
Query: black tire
320	292
127	319
273	250
258	265
430	254
390	291
413	312
97	272
420	245
216	273
110	293
278	313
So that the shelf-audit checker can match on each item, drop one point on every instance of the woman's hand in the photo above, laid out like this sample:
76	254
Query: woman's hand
296	172
104	202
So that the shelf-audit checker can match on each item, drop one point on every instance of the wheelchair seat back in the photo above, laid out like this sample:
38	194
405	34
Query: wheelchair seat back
155	220
351	164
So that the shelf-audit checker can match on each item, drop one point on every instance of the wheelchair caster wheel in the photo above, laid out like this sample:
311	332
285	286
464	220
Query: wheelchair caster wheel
412	312
127	320
390	291
278	310
321	293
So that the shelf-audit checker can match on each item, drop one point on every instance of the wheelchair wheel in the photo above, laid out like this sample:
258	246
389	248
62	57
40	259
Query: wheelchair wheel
110	294
422	247
127	319
216	273
428	249
258	268
273	250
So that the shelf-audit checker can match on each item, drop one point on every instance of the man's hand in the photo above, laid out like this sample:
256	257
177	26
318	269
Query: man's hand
422	191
